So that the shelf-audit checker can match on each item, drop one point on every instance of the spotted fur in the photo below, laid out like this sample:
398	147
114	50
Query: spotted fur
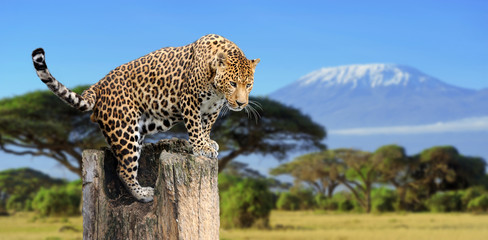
151	94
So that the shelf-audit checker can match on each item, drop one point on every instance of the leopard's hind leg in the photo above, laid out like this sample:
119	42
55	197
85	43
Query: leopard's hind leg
126	143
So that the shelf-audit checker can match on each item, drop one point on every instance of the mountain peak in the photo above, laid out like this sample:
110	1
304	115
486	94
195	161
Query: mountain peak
373	95
372	75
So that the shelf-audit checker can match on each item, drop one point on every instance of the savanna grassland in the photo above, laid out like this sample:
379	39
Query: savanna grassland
313	225
27	226
290	225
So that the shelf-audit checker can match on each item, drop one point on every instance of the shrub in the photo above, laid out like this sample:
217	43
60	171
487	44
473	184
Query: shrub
345	205
245	204
325	203
287	201
470	194
343	202
383	199
306	198
226	181
19	186
445	202
298	198
479	204
58	200
15	202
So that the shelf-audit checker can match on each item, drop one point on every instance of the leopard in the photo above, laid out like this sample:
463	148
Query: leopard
189	84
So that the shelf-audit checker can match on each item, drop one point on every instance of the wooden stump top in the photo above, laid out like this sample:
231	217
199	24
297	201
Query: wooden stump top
186	201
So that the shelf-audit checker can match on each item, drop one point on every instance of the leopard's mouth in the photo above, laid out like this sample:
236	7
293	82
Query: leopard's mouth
236	109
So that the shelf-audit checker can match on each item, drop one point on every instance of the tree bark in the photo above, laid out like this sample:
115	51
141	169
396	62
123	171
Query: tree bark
186	200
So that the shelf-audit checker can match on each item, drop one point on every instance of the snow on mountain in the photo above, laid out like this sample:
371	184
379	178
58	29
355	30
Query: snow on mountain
373	95
370	75
373	75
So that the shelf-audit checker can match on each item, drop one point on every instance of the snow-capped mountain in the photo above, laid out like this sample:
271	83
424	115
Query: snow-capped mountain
372	75
373	95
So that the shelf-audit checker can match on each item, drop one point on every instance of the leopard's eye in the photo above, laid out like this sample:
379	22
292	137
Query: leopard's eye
248	85
233	84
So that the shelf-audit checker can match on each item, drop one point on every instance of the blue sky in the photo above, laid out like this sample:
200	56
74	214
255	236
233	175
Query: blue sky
84	40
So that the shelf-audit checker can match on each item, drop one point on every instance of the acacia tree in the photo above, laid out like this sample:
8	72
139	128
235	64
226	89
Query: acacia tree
443	168
434	171
40	124
356	170
397	169
361	172
321	170
417	177
276	130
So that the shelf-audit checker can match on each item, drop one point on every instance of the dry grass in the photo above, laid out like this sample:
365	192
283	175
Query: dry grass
27	226
310	225
292	225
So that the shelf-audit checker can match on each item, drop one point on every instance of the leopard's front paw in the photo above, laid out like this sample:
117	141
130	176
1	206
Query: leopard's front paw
143	194
213	144
205	151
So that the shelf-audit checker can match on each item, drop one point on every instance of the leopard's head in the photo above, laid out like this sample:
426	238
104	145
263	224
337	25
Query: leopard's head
234	77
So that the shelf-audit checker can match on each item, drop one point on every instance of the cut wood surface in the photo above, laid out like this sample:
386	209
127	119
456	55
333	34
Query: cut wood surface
186	200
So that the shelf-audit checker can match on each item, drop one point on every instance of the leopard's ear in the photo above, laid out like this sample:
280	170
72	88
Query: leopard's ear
255	62
220	60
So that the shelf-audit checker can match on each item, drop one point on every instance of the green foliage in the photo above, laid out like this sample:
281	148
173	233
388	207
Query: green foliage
326	203
416	179
435	170
471	193
277	131
361	172
479	204
383	199
298	198
59	200
470	171
305	196
320	170
18	203
244	202
40	124
19	187
344	201
442	168
346	205
288	201
341	201
412	200
226	181
394	164
445	202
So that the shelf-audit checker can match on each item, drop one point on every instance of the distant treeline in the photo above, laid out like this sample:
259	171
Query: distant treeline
26	189
436	179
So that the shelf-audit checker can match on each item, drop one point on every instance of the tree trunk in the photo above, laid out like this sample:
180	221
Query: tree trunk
330	189
186	200
368	198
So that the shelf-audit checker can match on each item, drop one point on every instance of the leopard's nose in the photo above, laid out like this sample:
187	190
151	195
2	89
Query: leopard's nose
239	103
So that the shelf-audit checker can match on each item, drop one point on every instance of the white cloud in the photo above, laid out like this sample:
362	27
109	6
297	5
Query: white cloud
475	124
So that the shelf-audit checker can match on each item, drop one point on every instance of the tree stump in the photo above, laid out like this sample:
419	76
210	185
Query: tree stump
186	200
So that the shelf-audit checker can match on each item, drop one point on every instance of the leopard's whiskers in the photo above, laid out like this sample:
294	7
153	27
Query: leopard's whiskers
252	111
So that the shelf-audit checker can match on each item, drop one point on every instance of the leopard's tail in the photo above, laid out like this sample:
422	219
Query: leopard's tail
84	102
